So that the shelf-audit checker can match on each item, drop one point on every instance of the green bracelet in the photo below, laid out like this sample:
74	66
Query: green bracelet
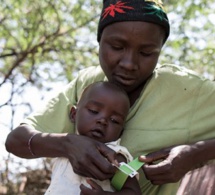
125	171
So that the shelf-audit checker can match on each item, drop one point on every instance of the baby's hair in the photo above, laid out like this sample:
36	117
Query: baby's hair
108	84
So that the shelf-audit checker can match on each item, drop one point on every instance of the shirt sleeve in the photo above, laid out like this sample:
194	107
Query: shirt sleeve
115	145
54	116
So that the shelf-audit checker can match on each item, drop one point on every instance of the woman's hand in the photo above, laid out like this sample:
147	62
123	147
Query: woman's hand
174	163
90	158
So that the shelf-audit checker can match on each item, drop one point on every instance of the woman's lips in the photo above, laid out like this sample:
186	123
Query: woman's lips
124	80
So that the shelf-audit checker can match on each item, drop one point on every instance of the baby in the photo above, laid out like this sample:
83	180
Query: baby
100	114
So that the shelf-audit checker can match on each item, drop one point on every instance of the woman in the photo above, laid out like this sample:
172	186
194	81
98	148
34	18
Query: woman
170	124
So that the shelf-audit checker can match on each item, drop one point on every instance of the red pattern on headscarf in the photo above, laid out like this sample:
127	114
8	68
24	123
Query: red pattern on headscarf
118	7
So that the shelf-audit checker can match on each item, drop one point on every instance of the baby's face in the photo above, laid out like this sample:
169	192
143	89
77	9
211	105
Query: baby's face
101	114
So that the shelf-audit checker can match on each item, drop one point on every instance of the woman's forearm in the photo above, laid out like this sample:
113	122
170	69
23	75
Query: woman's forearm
203	151
89	160
41	145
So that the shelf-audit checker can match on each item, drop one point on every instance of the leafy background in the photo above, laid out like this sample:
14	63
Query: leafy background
43	44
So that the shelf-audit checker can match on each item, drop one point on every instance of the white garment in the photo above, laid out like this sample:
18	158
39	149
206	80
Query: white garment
65	182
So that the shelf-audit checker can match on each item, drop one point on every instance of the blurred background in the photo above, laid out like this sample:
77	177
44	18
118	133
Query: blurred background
43	44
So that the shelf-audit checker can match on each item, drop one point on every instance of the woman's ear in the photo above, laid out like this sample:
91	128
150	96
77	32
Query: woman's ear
72	114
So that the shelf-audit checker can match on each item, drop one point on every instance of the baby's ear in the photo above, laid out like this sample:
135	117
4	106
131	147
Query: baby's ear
72	114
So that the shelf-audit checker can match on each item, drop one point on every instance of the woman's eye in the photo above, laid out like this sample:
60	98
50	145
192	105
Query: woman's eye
145	54
116	47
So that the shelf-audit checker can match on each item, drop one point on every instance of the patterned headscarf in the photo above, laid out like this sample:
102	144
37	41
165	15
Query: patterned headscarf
133	10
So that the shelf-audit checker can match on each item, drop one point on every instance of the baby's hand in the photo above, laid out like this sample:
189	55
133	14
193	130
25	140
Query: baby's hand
94	190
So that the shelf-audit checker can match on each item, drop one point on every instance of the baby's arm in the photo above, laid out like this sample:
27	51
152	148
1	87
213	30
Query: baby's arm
131	186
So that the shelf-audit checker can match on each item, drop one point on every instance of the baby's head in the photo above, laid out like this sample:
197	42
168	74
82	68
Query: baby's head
101	112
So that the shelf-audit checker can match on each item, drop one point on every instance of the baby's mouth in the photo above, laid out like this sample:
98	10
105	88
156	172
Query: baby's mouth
97	133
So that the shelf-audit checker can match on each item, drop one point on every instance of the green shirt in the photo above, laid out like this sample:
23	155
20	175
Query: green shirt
175	107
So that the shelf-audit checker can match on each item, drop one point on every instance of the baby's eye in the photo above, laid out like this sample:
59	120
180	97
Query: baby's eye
114	121
93	111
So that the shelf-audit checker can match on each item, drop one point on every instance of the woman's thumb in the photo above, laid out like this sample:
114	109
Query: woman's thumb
154	156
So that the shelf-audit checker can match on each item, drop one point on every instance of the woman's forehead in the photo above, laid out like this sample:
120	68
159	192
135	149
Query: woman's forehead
133	25
135	30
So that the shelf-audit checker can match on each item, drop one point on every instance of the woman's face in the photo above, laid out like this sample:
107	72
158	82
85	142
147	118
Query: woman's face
129	52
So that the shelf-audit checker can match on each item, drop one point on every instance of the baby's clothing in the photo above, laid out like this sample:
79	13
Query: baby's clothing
65	181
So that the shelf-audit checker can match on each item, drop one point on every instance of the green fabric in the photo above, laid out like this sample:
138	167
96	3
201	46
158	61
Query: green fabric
175	107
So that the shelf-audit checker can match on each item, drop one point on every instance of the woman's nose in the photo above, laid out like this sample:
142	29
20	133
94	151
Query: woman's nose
128	61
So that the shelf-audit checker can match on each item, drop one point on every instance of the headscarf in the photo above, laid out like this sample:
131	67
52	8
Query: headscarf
133	10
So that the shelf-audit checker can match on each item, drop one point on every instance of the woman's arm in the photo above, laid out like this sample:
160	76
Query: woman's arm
42	144
176	161
88	157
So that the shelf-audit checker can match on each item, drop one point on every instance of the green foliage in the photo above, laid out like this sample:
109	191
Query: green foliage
34	33
192	41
